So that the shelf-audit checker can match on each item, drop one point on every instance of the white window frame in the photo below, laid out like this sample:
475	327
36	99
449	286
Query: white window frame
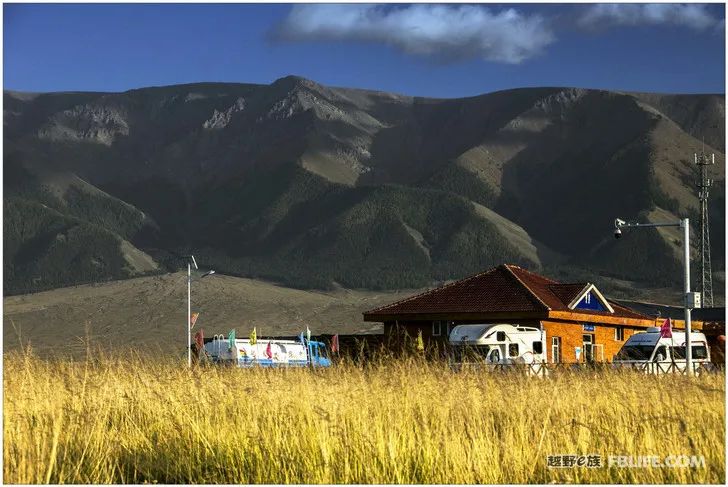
437	324
619	334
555	346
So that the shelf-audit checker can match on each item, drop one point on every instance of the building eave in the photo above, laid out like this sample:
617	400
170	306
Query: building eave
455	316
600	318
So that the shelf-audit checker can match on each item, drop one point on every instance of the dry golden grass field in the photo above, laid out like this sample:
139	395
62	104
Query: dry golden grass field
142	419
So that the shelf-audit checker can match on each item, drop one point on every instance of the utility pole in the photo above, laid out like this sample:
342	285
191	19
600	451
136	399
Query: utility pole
191	262
706	282
690	299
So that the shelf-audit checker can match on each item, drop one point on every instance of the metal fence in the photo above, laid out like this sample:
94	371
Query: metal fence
549	369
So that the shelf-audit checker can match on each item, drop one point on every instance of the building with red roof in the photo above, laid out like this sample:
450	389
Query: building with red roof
580	323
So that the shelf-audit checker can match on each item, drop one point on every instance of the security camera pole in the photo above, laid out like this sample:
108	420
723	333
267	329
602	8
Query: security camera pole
189	308
691	300
190	262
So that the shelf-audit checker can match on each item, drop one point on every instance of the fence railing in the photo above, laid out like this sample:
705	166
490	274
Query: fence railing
660	368
540	369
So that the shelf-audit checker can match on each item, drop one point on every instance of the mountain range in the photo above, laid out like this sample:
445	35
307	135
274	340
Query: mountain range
319	187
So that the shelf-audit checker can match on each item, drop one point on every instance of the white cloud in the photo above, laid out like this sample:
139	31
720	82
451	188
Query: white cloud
445	32
694	16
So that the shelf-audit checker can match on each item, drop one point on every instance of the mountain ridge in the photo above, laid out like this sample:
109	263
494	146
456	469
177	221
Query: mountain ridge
314	186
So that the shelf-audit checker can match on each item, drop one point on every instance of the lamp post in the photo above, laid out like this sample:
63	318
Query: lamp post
190	262
690	299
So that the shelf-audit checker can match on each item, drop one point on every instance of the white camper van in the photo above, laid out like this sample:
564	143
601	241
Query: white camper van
654	354
499	344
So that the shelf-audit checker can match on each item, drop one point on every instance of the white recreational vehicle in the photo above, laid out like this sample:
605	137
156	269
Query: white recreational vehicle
283	353
655	354
498	344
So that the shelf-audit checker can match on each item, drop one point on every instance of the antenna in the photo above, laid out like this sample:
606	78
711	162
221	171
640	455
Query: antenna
704	184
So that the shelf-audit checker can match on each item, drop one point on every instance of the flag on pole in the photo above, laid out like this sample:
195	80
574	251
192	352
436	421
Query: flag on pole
666	329
193	319
253	337
308	334
335	343
231	339
300	337
420	343
268	351
200	340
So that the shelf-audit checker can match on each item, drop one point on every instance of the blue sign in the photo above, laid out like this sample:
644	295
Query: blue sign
588	327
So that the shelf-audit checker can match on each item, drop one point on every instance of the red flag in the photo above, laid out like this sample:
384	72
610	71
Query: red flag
200	339
335	343
268	351
666	329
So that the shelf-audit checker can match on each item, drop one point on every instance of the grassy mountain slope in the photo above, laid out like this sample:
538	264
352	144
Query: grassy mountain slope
58	229
316	186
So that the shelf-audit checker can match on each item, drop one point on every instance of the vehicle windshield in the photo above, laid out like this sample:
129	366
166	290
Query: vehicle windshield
635	352
471	353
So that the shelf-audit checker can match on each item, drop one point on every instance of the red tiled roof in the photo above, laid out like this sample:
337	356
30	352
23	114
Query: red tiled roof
502	289
568	292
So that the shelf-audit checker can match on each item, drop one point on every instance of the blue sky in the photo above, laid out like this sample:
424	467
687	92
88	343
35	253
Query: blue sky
423	50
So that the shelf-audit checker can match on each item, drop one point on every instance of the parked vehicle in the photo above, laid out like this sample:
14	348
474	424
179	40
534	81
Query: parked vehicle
499	344
654	354
268	353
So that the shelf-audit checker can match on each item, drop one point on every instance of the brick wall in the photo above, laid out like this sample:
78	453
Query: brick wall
571	335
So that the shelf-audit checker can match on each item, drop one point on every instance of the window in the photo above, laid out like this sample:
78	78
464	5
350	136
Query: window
449	327
699	352
436	328
619	334
556	349
500	336
538	347
660	354
588	343
513	350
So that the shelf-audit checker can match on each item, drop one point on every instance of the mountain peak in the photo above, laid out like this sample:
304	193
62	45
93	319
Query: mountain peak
292	82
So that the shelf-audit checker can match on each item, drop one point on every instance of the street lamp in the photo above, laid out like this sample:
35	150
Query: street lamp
691	300
190	262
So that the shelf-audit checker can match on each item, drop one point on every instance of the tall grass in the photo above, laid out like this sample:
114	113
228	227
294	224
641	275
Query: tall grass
141	419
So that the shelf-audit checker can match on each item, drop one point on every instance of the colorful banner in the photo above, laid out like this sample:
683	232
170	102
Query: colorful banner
193	319
335	343
231	339
253	337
